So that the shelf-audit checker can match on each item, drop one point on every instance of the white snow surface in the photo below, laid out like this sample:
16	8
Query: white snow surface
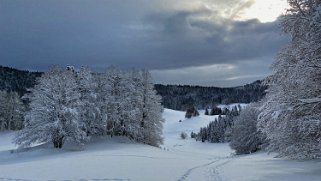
105	159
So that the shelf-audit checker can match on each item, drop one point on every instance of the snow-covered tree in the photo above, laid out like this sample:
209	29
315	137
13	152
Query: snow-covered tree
115	91
290	115
11	111
74	105
135	105
90	113
152	121
245	137
54	111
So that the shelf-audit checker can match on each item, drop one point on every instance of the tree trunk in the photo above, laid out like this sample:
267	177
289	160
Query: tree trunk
58	141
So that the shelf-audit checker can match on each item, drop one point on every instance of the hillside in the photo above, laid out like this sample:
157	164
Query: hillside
17	80
179	97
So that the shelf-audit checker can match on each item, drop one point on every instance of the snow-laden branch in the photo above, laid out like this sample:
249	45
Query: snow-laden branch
311	101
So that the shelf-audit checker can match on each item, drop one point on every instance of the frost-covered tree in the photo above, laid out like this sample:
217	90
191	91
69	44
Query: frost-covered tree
74	105
102	100
90	110
291	116
135	105
245	137
133	108
54	111
152	121
11	111
115	89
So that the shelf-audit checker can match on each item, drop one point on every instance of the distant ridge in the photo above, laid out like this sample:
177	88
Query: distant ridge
179	97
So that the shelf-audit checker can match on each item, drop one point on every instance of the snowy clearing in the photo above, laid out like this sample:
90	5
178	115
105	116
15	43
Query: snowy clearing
177	160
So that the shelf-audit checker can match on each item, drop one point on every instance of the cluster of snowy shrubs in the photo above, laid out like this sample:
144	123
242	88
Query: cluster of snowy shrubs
75	105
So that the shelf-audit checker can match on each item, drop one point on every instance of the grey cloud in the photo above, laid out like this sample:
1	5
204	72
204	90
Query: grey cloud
158	35
200	42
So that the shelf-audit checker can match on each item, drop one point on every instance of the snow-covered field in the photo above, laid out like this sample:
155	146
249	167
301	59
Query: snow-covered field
119	159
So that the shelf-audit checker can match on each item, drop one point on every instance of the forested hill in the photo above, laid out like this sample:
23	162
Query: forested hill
173	96
179	97
17	80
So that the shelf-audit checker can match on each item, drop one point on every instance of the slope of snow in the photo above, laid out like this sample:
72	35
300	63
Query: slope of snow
173	128
265	167
121	159
6	141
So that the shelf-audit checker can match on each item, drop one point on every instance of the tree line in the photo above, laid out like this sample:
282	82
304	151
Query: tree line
14	80
181	97
69	105
217	131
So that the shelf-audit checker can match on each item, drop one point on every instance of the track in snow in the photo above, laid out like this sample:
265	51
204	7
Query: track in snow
213	173
189	171
138	156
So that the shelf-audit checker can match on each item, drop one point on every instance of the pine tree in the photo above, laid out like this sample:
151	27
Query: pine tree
206	112
191	112
216	111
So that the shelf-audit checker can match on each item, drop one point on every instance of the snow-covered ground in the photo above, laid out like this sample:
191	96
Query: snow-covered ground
177	159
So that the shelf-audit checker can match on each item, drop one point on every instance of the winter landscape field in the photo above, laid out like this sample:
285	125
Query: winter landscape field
160	90
119	159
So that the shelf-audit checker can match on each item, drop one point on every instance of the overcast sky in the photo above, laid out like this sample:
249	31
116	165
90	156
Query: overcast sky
199	42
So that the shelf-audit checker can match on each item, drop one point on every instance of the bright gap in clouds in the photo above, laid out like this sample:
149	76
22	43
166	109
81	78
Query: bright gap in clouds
220	75
266	10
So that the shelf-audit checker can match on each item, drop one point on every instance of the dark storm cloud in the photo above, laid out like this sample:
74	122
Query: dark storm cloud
142	33
193	42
